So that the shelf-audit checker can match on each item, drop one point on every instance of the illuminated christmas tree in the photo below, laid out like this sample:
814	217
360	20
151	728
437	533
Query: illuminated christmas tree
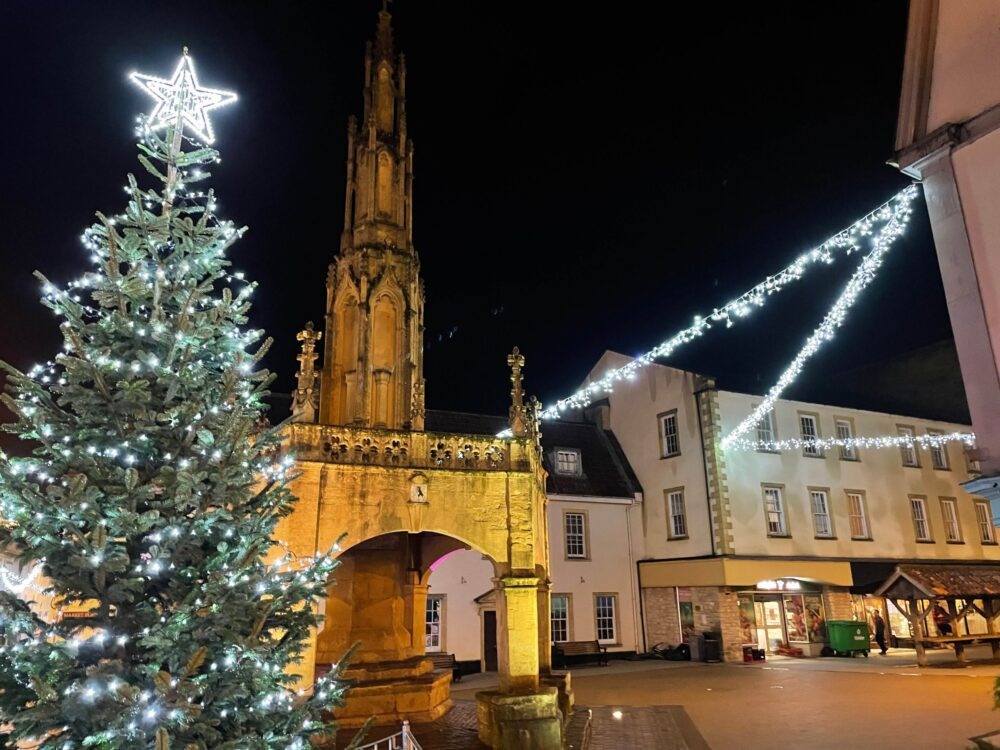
153	490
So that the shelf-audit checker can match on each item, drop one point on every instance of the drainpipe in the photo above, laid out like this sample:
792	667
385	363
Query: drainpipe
640	635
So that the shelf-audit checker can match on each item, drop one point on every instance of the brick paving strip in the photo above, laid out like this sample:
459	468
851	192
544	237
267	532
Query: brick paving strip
660	727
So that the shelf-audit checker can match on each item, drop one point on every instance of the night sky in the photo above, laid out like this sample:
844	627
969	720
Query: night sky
584	180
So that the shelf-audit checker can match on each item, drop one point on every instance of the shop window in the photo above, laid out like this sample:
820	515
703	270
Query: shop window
949	515
939	454
765	432
984	517
433	623
559	610
670	443
685	611
805	620
676	514
820	500
774	512
605	606
908	450
576	535
921	526
857	512
845	431
809	432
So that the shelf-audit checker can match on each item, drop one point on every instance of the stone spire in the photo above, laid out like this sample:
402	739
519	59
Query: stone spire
373	352
383	34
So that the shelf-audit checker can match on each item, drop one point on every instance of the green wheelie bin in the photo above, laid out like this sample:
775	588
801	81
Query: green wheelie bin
847	637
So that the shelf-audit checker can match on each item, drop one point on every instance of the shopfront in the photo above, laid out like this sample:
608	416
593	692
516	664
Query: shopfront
775	605
783	615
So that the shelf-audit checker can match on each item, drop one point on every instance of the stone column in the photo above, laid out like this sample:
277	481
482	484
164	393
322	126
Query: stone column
415	597
544	627
517	634
381	398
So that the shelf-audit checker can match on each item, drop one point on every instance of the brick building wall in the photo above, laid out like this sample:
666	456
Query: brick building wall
662	618
837	604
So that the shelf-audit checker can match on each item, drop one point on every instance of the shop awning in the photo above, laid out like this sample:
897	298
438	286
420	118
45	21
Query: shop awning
942	581
741	571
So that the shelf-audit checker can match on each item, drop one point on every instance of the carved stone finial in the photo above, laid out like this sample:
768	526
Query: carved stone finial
518	417
417	411
534	420
305	400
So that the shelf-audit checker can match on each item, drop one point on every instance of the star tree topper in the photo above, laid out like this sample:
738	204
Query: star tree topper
182	99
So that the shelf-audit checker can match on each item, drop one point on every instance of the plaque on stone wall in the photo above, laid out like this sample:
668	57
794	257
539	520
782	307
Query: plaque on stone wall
418	488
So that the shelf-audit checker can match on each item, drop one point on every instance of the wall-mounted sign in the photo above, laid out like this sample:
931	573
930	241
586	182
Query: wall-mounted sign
418	488
780	584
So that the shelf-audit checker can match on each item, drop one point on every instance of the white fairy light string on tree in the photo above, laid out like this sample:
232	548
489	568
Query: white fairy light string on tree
152	493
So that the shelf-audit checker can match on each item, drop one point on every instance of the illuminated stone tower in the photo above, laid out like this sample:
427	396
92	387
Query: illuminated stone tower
373	357
403	497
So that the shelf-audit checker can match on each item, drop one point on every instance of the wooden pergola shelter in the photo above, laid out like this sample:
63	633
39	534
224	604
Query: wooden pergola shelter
959	590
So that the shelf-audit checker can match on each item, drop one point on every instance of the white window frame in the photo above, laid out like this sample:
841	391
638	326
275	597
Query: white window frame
565	619
808	418
821	512
844	428
775	492
677	525
949	517
920	519
601	614
909	453
984	519
939	454
670	440
766	432
429	637
567	462
578	536
861	515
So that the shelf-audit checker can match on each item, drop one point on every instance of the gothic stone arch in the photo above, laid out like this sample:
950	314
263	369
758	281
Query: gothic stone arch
396	494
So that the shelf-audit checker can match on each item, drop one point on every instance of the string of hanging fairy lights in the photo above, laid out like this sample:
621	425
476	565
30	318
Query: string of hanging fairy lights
884	225
927	442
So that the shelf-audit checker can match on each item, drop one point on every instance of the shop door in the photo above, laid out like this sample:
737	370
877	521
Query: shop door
770	623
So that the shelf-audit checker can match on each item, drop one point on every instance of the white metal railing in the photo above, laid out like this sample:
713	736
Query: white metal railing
401	740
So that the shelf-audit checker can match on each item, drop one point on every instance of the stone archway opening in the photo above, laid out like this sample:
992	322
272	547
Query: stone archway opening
461	608
378	605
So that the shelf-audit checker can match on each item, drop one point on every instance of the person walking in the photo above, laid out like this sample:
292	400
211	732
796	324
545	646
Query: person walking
880	631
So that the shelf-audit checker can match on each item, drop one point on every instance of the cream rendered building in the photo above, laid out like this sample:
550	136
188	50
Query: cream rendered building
764	547
948	137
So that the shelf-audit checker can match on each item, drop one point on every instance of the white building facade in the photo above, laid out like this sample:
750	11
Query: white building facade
762	548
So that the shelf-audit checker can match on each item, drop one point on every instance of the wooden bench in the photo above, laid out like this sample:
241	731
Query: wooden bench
446	661
961	641
580	651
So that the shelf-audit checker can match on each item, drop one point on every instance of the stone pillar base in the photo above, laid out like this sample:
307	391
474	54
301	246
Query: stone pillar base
561	682
520	721
389	692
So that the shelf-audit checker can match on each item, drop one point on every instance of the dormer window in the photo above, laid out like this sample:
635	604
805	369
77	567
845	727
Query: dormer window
568	462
